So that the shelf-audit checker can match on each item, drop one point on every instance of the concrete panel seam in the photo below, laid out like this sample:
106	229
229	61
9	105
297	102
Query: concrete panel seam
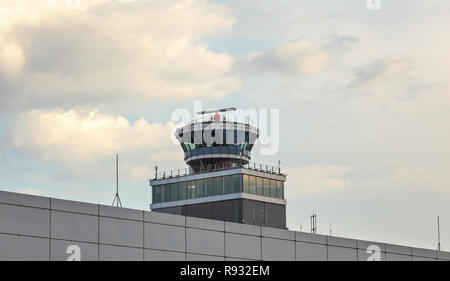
117	218
50	230
24	235
143	235
26	206
98	232
123	246
207	255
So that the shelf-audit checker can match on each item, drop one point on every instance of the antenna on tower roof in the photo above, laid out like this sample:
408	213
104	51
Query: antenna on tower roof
117	197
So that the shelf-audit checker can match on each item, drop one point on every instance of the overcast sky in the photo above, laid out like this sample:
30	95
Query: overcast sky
363	96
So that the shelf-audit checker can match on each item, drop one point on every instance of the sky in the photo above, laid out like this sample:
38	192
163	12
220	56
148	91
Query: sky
363	99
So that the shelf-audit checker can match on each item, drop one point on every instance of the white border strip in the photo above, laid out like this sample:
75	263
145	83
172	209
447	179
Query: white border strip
218	198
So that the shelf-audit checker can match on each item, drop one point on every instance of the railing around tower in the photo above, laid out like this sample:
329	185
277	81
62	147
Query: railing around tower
250	166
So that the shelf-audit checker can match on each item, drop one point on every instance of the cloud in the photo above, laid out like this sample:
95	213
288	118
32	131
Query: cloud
113	50
381	69
11	58
299	57
85	142
29	191
317	179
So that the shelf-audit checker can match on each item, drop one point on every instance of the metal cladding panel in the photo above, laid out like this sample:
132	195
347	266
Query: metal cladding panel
75	207
311	238
242	228
164	237
24	200
23	248
205	224
157	217
341	254
60	250
277	249
194	257
155	255
205	242
242	246
77	227
310	252
341	242
24	220
278	233
119	253
121	213
396	257
371	255
121	232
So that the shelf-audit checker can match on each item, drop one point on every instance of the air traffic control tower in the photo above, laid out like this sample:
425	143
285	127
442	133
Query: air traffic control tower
220	182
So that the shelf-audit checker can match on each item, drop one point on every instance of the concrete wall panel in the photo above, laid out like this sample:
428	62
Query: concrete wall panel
24	200
242	228
194	257
164	237
24	220
277	249
242	246
155	255
205	224
205	242
121	232
59	249
75	207
310	252
23	248
341	242
397	249
162	218
341	254
371	256
419	252
77	227
121	213
118	253
278	233
311	238
396	257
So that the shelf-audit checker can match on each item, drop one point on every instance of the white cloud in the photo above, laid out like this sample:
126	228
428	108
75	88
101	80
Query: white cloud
84	143
11	58
113	50
300	57
29	191
316	179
